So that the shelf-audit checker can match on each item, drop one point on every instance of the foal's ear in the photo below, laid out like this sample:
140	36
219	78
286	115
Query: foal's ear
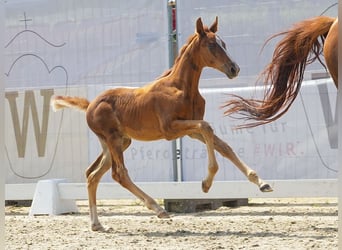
213	27
199	27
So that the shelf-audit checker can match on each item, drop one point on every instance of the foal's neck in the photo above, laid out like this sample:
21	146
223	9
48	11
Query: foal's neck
187	70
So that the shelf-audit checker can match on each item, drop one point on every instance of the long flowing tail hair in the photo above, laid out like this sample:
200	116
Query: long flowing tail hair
283	76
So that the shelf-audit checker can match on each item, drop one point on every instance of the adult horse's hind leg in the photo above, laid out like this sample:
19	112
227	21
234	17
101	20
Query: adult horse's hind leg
330	51
120	174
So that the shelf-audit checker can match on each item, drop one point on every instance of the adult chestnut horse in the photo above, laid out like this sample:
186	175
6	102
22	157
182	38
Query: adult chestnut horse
284	74
168	108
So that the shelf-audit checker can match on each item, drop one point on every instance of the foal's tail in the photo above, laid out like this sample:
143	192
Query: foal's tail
300	46
59	102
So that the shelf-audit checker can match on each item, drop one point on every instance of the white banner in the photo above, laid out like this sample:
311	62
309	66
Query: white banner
300	145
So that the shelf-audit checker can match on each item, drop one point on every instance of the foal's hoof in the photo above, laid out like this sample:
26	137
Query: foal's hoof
100	228
163	215
266	188
205	187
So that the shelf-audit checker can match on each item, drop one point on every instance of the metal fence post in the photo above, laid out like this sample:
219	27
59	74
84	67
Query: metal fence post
173	51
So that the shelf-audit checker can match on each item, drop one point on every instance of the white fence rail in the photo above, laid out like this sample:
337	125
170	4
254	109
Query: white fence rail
187	190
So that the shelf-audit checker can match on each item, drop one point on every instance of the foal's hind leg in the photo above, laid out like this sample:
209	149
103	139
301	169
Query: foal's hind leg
94	165
120	174
94	173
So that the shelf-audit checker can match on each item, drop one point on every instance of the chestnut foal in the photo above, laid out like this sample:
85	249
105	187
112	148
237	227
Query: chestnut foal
168	108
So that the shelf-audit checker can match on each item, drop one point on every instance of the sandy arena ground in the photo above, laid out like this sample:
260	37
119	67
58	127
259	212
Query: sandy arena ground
264	224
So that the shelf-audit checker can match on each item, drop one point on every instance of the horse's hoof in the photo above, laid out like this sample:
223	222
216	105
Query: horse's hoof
97	228
163	215
205	187
100	228
266	188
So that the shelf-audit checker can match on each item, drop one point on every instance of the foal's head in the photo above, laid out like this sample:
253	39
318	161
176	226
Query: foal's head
213	50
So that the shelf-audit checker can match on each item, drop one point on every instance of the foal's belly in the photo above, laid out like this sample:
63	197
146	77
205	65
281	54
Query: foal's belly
144	134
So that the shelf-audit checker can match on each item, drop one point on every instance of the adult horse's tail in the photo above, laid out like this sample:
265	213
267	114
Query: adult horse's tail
59	102
300	46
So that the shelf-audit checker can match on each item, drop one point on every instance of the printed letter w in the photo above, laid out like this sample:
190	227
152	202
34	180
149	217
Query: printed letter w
20	130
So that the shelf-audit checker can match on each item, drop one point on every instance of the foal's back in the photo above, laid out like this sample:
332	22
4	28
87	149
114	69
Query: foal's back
135	112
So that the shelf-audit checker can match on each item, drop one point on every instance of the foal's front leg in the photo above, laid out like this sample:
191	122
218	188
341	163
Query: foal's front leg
226	151
202	128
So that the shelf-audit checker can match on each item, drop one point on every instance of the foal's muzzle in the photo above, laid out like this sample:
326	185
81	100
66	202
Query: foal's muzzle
232	70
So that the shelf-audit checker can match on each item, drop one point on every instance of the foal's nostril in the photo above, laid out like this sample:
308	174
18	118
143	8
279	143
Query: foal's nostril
235	69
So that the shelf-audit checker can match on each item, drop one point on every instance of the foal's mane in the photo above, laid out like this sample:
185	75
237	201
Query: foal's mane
182	52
